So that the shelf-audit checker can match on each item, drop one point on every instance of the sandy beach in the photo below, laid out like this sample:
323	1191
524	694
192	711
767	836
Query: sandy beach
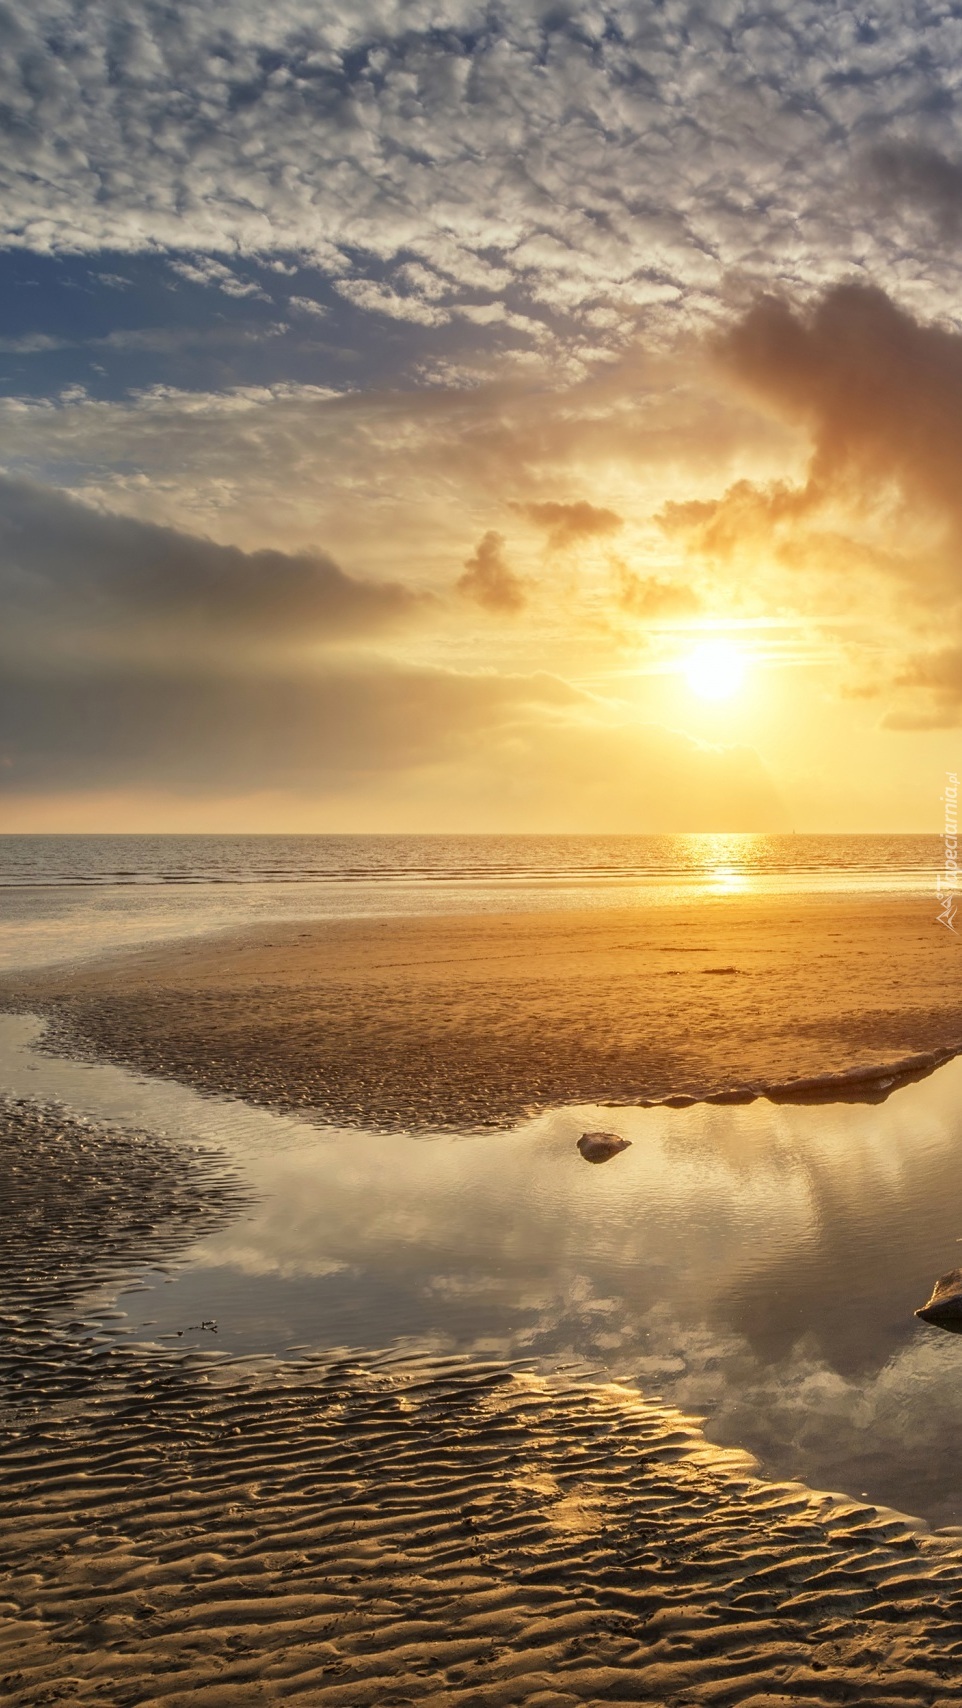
476	1020
181	1527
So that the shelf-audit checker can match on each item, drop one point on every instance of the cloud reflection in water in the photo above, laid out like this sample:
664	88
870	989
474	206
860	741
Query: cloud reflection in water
758	1265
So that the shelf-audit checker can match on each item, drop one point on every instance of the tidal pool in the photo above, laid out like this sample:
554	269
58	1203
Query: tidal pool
758	1265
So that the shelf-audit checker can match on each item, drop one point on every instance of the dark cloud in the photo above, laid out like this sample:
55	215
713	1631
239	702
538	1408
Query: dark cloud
74	578
489	579
566	524
879	394
913	178
190	728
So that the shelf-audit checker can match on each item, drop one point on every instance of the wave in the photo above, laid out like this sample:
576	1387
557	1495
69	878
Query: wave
726	861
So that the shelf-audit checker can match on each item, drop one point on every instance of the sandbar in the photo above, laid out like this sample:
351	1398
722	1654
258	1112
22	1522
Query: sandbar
480	1020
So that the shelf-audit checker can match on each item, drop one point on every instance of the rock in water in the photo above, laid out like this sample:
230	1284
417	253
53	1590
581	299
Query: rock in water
598	1147
944	1308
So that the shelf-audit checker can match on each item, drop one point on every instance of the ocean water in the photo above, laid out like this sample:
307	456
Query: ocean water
63	897
795	861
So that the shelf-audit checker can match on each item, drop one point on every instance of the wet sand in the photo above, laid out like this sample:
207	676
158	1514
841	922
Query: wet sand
348	1536
178	1528
476	1021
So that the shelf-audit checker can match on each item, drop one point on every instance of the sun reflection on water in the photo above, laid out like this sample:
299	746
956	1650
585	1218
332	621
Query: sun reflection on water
727	864
726	880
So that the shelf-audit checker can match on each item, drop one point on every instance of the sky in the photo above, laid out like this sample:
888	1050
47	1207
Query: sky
460	417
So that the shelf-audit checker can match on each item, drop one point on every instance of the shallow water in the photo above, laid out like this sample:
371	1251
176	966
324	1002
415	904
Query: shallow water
758	1265
71	896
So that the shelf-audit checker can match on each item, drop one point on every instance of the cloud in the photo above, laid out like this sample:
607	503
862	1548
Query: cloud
489	579
307	305
566	524
878	516
918	179
422	280
31	344
879	392
425	749
204	727
364	293
207	270
168	340
935	681
79	582
636	156
649	596
158	340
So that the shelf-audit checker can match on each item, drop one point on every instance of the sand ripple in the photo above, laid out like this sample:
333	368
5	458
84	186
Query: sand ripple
183	1528
82	1204
354	1534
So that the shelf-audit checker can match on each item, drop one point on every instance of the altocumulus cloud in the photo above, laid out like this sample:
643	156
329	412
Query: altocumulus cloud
432	155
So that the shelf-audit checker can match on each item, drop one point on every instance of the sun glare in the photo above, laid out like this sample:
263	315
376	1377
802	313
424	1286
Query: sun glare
715	670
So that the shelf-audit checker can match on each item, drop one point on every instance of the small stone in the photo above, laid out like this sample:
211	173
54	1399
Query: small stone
600	1147
944	1308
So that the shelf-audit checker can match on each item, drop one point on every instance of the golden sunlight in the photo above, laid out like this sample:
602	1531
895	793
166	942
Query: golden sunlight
715	670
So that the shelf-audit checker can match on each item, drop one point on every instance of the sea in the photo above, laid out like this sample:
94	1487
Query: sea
66	897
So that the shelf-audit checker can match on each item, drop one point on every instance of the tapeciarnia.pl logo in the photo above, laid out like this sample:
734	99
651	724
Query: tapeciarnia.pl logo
947	881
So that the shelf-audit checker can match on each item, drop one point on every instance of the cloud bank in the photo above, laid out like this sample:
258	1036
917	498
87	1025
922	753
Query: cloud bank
429	749
75	581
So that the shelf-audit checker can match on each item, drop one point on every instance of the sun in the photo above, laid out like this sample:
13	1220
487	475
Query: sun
715	670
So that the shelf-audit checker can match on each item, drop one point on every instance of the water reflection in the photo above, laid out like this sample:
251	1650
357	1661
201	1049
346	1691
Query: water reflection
728	863
759	1265
725	880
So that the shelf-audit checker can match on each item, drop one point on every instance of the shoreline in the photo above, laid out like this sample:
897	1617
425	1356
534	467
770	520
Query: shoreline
473	1021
